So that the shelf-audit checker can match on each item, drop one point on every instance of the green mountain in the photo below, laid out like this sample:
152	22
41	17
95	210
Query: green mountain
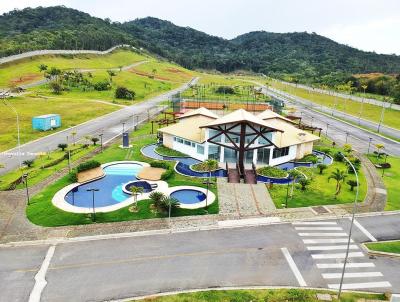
300	55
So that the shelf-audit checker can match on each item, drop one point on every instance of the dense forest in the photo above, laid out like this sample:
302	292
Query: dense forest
298	57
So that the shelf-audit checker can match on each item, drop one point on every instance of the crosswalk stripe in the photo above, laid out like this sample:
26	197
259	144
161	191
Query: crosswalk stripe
337	255
364	230
331	247
316	228
326	240
322	234
348	265
314	223
361	285
352	275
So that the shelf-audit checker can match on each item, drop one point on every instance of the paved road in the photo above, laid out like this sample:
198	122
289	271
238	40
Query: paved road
248	256
110	125
338	131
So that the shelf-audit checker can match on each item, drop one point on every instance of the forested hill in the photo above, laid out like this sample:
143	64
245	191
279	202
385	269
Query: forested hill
300	55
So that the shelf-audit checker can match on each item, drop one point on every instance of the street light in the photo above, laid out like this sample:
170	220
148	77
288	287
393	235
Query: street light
351	225
123	127
94	212
327	126
18	132
384	165
369	144
25	178
69	156
347	135
287	192
101	142
382	115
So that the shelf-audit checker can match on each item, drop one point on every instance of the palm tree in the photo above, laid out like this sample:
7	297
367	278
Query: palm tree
157	198
339	176
210	164
169	204
42	67
135	192
294	175
379	147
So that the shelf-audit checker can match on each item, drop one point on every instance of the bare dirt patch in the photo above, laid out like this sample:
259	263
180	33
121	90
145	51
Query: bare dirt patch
27	78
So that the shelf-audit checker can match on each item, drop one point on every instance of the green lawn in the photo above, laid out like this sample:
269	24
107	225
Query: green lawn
42	212
369	112
165	151
387	247
26	70
263	295
391	180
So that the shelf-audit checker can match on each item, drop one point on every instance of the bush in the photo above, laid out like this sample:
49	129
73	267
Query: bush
225	90
272	172
102	85
62	146
352	184
28	162
310	158
304	182
124	93
159	164
338	157
321	168
72	177
91	164
167	174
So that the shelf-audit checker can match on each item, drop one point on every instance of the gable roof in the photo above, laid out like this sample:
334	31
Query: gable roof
269	114
200	111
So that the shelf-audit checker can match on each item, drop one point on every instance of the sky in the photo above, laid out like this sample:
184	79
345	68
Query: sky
371	25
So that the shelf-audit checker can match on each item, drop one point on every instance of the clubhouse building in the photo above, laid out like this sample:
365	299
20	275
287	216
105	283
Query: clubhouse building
238	137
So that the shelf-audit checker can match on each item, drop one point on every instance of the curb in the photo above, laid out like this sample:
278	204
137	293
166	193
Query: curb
379	253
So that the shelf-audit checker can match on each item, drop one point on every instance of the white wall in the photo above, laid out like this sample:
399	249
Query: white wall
189	150
283	159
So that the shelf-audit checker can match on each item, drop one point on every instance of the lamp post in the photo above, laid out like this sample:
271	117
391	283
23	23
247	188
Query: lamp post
25	178
327	126
101	142
351	225
123	127
18	132
383	167
382	115
347	135
369	145
94	211
69	156
287	192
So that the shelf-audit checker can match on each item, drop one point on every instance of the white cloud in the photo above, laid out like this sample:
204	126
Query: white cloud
6	6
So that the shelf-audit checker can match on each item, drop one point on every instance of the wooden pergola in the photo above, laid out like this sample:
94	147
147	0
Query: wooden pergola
240	125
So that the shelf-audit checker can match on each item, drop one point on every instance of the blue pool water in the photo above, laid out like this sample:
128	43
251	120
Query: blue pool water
188	196
110	186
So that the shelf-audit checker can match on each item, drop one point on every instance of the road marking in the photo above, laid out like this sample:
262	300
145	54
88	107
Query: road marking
322	234
337	255
314	223
361	285
293	266
40	277
316	228
331	247
348	265
335	240
352	275
364	230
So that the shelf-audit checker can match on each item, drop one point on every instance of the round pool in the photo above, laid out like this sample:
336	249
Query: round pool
188	196
147	187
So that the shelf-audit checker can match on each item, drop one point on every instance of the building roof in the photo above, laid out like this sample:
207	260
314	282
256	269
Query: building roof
46	115
189	128
269	114
200	111
291	136
240	115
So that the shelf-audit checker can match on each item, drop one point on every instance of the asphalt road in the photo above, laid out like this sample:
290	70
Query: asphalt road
339	131
248	256
110	125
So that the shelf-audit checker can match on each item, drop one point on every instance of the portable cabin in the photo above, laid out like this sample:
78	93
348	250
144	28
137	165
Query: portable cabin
46	122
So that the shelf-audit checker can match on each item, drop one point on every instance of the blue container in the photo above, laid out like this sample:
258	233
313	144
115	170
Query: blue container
46	122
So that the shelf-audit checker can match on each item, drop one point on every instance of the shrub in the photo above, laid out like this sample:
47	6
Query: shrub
159	164
352	184
62	146
124	93
338	157
321	167
225	90
102	85
310	158
167	174
304	182
272	172
56	88
72	177
28	162
94	140
91	164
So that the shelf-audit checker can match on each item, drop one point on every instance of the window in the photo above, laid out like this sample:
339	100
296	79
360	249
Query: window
263	156
230	155
213	152
263	141
212	133
179	140
174	138
193	145
280	152
187	143
200	149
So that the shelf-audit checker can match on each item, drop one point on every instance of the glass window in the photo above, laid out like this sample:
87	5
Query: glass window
280	152
212	133
213	152
187	143
263	141
230	155
263	156
180	140
193	145
174	138
200	149
249	156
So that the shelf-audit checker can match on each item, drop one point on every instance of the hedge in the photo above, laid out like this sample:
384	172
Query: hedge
91	164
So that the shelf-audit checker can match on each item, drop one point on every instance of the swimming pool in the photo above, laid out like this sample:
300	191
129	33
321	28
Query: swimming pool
110	186
145	185
188	196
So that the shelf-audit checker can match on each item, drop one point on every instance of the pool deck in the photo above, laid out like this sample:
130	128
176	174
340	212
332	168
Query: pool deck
90	175
150	173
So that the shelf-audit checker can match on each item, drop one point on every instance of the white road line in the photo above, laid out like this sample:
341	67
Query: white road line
316	228
337	255
364	230
348	265
40	277
331	247
351	275
361	285
293	266
314	223
326	240
322	234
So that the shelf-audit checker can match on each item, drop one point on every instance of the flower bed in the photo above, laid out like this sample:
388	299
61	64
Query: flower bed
272	172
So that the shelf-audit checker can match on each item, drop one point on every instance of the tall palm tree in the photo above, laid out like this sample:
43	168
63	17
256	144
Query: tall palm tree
211	164
135	192
294	175
379	147
339	176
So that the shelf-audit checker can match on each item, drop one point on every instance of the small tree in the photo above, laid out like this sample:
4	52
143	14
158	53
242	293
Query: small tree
339	176
56	87
28	162
326	151
379	148
157	198
168	202
111	73
124	93
62	146
352	184
347	148
42	67
304	182
135	192
94	140
294	175
321	168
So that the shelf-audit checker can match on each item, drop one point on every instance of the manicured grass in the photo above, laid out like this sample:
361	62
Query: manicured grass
272	172
38	172
369	112
72	111
391	180
164	71
42	212
263	295
387	247
26	71
165	151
